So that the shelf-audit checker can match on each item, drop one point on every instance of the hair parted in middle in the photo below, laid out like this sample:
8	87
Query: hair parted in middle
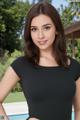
59	46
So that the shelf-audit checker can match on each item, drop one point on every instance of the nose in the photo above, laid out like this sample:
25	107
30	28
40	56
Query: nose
41	34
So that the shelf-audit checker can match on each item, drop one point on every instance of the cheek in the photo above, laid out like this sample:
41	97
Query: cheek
33	36
52	35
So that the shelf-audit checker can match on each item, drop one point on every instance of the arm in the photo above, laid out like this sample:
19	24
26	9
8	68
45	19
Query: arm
76	101
6	84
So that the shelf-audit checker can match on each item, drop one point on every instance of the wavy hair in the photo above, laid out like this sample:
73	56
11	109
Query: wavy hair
59	45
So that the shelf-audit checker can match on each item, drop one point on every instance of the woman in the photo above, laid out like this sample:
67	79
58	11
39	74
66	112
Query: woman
49	78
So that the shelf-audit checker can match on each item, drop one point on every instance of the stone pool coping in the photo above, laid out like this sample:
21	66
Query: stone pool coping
15	108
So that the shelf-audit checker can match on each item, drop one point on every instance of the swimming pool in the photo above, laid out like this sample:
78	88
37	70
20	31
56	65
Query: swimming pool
18	117
25	116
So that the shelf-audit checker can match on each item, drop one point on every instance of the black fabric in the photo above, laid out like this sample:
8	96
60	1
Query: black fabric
49	91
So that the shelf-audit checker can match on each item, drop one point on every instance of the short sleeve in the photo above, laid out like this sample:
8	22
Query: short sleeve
78	72
17	66
76	69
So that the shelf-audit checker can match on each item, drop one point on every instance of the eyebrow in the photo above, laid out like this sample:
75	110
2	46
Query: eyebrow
43	25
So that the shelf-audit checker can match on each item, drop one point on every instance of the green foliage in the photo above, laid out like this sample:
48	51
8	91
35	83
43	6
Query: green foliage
70	13
5	62
66	16
76	49
15	97
3	66
33	1
7	3
45	0
12	14
75	8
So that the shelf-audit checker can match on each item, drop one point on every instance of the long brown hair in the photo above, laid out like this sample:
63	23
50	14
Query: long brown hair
59	45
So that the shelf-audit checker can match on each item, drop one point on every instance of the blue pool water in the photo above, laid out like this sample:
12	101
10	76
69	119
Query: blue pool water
25	116
18	117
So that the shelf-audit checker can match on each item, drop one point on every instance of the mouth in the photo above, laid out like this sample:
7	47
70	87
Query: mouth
42	42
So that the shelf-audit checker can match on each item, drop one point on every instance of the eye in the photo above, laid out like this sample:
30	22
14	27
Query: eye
47	27
33	29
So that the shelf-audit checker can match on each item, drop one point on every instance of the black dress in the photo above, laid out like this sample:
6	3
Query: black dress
49	91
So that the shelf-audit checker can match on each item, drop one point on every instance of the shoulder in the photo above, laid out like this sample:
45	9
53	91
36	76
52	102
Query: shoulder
19	63
75	68
74	62
18	59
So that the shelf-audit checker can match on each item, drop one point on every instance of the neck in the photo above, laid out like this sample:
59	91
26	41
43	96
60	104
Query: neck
47	54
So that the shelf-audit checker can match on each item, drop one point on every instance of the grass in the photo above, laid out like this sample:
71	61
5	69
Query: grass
15	97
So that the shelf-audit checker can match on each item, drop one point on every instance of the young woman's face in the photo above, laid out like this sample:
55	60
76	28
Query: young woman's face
43	32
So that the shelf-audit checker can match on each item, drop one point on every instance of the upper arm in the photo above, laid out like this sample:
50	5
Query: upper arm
7	83
76	100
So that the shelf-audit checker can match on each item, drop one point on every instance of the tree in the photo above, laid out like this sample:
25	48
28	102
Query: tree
70	13
11	23
75	8
50	1
66	16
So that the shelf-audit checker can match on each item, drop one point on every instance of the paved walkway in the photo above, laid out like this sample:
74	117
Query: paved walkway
16	108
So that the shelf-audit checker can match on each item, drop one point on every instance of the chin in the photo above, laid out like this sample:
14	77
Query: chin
43	48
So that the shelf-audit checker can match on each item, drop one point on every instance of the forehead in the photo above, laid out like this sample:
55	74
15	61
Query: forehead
41	20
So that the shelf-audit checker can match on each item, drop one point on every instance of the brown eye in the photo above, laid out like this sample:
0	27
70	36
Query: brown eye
33	29
47	27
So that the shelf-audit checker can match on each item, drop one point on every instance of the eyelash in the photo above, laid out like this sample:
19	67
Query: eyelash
33	29
45	28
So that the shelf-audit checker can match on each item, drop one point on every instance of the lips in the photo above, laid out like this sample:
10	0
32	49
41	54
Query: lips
42	42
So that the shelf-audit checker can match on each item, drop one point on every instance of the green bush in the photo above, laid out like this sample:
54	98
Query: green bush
78	51
76	48
5	62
